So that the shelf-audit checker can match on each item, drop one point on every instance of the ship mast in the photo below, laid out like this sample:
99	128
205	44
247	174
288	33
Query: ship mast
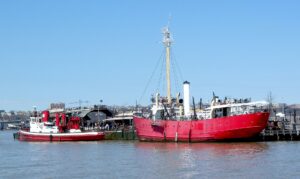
167	41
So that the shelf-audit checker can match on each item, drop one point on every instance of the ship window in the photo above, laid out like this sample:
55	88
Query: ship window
225	112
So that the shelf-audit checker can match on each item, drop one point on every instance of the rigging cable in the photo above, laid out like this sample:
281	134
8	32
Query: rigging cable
176	65
153	72
160	75
175	76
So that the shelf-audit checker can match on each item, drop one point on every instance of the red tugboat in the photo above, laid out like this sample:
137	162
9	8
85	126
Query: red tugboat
172	120
41	129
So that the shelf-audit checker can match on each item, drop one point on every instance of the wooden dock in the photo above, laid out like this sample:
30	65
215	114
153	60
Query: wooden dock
281	130
121	135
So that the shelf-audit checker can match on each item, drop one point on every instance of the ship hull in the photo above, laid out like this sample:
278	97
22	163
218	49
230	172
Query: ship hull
243	126
60	137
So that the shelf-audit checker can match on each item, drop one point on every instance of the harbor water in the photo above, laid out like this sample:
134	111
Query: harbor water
133	159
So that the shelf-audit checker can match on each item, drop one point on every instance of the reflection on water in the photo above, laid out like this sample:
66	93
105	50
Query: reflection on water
204	150
133	159
216	148
199	159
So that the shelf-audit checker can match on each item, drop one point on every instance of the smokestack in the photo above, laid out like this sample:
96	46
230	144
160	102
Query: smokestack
45	116
63	117
186	98
57	119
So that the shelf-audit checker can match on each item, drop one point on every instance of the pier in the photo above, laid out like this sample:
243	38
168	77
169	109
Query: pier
121	135
281	130
4	123
284	124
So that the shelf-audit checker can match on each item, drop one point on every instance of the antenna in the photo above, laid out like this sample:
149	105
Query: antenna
34	111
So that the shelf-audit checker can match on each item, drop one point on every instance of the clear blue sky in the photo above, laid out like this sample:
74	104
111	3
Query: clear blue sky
63	51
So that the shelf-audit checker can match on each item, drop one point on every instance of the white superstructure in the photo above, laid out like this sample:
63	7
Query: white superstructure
37	126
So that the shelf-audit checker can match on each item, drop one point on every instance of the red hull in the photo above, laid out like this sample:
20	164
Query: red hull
60	137
217	129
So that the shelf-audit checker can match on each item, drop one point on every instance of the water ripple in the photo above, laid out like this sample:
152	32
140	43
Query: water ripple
133	159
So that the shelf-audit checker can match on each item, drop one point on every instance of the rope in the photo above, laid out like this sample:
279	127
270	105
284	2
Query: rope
176	65
173	67
162	81
160	75
150	79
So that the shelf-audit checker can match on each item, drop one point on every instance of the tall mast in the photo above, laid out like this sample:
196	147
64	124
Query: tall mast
167	41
